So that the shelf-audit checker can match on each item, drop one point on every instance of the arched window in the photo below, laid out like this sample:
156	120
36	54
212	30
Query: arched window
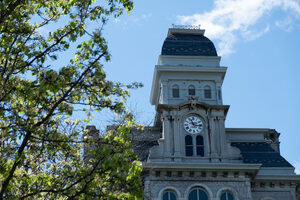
198	194
192	91
199	145
175	91
188	145
227	196
169	195
207	92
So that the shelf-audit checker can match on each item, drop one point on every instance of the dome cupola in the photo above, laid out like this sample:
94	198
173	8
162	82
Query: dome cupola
188	42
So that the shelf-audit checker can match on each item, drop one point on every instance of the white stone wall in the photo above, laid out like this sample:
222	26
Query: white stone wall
182	186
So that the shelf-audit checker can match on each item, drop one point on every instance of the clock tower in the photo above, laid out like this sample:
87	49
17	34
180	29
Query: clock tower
187	93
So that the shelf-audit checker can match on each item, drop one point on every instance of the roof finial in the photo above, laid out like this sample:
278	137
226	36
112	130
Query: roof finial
186	26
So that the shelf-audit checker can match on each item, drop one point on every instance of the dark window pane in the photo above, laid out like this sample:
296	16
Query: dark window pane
192	174
189	151
199	145
175	92
198	194
207	93
169	173
200	151
188	145
157	173
193	195
188	140
199	140
172	196
192	91
202	195
227	196
223	196
165	197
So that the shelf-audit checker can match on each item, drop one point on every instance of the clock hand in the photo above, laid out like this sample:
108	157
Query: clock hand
192	122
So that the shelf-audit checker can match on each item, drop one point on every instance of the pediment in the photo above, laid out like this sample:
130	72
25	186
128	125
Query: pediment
192	104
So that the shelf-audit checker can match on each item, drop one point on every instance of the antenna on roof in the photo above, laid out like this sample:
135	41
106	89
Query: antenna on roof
186	26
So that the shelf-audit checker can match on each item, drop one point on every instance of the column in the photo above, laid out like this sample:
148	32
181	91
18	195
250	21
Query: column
223	140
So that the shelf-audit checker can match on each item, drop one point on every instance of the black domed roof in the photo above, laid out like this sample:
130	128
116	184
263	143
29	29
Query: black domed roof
178	44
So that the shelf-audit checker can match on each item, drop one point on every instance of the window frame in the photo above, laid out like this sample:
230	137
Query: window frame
200	146
191	89
168	192
226	197
207	92
175	91
195	146
198	194
189	145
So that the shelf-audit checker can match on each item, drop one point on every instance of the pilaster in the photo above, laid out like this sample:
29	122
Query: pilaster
166	134
164	91
212	135
177	136
222	136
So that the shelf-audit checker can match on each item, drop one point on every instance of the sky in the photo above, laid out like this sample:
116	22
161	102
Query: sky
259	41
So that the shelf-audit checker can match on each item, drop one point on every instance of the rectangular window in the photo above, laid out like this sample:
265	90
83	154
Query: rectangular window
179	174
192	92
175	93
200	151
207	93
189	150
169	173
199	146
189	145
157	173
191	174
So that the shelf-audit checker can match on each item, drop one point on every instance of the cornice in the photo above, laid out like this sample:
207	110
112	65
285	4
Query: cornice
278	177
192	105
202	166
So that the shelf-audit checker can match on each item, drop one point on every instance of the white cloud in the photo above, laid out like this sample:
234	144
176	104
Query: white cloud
285	24
143	17
297	167
231	20
136	19
146	16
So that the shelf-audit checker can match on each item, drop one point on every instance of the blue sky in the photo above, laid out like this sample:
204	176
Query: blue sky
259	41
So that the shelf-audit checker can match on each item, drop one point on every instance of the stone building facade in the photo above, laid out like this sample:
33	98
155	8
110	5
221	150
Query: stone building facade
189	154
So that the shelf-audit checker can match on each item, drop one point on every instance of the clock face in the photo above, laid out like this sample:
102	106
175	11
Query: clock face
193	125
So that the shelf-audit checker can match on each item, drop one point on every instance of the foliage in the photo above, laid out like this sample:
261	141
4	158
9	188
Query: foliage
40	144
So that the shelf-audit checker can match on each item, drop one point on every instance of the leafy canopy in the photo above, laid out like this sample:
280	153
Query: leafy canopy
42	90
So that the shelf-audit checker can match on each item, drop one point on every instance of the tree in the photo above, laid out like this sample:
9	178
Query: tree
40	140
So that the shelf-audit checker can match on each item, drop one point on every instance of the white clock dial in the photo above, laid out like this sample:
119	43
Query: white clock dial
193	125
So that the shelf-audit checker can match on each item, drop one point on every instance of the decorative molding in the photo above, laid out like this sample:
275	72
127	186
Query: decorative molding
186	26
